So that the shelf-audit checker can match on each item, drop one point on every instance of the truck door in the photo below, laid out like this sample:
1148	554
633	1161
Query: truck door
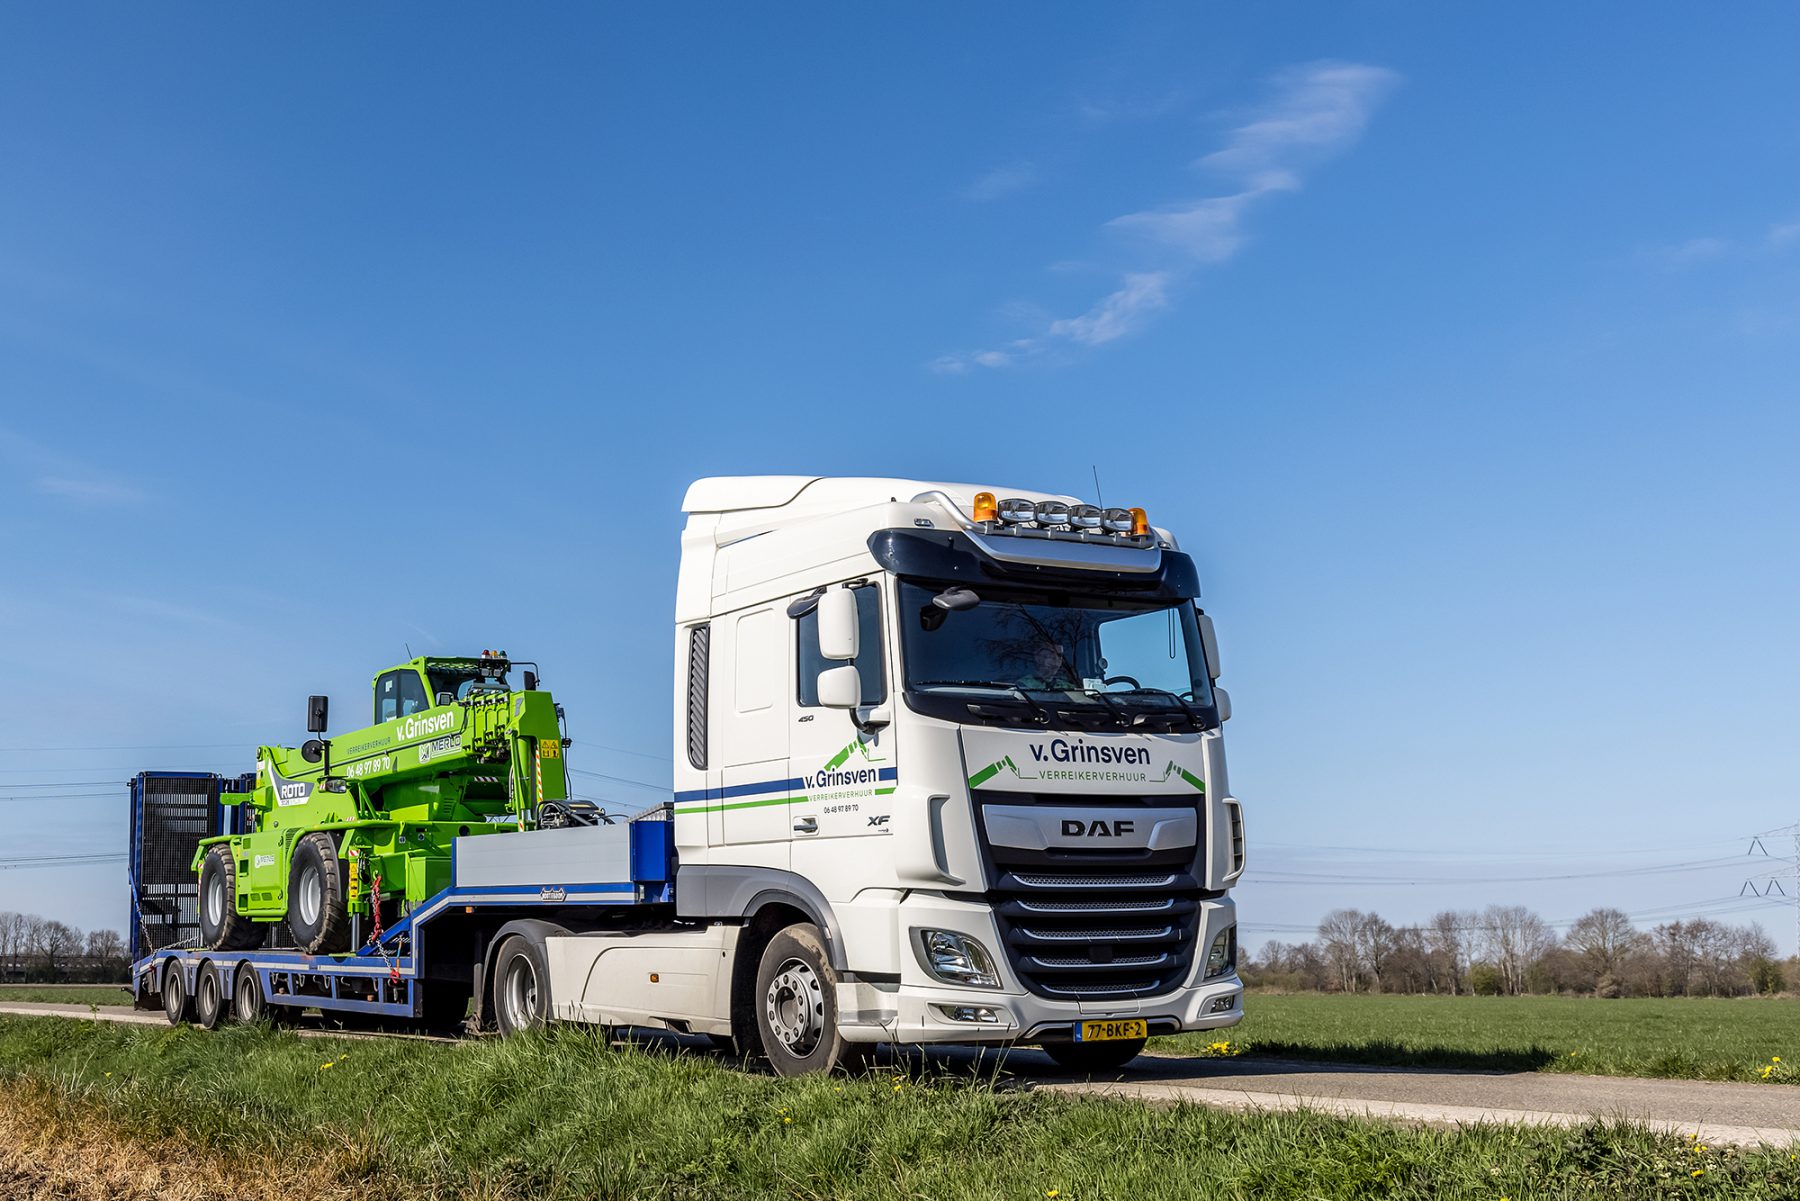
846	779
755	786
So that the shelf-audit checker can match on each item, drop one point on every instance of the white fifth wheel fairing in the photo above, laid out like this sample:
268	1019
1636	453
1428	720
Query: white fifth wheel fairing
948	768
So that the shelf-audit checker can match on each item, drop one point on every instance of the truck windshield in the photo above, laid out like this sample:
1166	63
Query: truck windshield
1055	658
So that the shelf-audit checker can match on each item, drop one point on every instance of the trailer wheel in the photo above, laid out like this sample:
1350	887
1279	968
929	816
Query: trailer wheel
247	1002
209	997
521	986
796	1004
316	914
222	927
177	1005
1094	1057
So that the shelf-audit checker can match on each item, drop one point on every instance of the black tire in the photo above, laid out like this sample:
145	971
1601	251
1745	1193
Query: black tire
222	927
248	1005
317	917
796	1005
178	1007
521	987
1095	1057
210	1006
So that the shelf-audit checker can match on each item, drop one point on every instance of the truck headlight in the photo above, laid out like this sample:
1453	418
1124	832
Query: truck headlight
957	959
1222	953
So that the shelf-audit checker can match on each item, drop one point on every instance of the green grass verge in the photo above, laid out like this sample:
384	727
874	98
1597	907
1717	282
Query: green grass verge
1677	1037
569	1117
67	994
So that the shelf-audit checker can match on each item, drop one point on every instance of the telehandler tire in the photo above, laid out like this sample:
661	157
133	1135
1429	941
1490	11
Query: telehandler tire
317	917
222	927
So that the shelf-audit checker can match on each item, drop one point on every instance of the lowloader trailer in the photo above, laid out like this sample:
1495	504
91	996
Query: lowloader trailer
948	768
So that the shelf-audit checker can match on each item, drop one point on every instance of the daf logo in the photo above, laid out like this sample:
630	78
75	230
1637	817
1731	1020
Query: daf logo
1098	828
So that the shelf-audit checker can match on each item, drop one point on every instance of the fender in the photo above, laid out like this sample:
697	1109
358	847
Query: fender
712	891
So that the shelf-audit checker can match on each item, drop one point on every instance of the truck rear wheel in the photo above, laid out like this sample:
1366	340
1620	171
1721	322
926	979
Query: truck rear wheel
222	927
521	986
209	997
316	915
178	1007
796	1004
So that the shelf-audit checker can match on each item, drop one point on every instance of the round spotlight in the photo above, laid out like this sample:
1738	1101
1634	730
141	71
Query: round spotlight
1116	521
1084	517
1052	512
1017	511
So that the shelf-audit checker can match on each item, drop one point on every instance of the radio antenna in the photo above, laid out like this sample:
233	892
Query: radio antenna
1098	499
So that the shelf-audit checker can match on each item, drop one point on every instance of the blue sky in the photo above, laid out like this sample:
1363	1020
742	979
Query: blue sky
1459	345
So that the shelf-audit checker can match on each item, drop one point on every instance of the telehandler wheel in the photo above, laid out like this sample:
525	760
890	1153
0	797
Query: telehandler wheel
796	1005
209	997
221	926
1094	1057
177	1005
247	1002
521	986
316	914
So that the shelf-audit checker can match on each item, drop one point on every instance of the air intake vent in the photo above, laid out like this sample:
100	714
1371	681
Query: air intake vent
1094	924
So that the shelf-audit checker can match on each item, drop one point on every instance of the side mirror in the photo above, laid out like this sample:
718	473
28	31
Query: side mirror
446	698
840	687
837	624
1209	645
318	709
530	680
312	750
1222	700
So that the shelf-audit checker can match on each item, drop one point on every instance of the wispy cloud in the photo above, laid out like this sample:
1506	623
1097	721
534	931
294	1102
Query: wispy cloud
1003	180
1311	113
62	476
1778	238
91	491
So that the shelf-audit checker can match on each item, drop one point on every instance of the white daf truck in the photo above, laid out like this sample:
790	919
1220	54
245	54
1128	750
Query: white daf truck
948	768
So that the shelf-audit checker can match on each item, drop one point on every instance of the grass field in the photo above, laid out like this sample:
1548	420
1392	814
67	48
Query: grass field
1704	1039
97	1110
67	994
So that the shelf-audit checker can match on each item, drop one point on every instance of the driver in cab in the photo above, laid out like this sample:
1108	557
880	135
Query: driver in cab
1049	669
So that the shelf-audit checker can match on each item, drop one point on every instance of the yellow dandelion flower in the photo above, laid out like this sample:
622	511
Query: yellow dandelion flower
1698	1172
1776	1059
329	1063
1052	1192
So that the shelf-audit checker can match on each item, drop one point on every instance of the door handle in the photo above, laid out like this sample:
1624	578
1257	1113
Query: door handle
807	825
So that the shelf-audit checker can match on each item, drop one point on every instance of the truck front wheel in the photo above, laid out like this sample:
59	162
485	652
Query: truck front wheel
796	1004
222	927
316	915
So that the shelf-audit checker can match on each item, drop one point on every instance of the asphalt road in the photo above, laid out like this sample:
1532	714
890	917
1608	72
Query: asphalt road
1717	1113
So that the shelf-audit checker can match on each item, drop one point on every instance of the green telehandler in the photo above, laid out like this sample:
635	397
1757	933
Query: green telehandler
360	826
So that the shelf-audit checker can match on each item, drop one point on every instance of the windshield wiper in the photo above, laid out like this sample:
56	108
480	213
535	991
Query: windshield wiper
1119	715
1192	713
1037	711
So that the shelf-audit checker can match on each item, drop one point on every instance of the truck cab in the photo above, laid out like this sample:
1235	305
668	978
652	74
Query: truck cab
970	734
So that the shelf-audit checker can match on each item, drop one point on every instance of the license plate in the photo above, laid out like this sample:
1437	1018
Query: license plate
1099	1032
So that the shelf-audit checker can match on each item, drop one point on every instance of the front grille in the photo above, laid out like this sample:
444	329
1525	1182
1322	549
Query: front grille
1095	925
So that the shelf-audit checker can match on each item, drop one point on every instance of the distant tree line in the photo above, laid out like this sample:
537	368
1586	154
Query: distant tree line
1509	950
39	950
